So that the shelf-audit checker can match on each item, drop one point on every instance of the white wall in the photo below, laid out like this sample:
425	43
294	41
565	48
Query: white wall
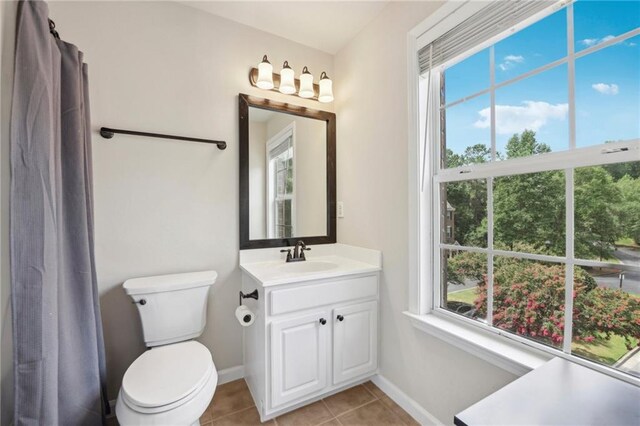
372	127
166	206
7	41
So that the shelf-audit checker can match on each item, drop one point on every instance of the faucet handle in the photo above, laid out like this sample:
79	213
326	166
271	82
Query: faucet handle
288	251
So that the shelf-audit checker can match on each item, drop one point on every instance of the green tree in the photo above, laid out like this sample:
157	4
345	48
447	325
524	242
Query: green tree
629	210
529	208
597	200
619	170
469	198
524	145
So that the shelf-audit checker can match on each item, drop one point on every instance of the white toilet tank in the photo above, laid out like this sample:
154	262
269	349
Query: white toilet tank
172	308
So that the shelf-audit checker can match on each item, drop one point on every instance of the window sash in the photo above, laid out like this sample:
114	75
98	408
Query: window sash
567	160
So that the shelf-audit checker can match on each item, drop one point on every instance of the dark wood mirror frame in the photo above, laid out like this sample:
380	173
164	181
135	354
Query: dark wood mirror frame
246	101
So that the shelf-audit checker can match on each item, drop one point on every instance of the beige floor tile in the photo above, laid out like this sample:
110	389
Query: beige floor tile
372	414
373	389
248	417
403	415
348	400
332	422
205	417
229	398
310	415
112	421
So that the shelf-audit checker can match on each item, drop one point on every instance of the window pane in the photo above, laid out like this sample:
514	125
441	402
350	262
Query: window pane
468	132
607	211
289	183
608	97
464	283
539	44
535	104
528	299
287	213
598	21
457	81
279	212
529	213
606	307
280	181
464	213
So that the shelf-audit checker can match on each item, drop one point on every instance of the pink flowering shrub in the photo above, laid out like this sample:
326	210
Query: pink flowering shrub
529	300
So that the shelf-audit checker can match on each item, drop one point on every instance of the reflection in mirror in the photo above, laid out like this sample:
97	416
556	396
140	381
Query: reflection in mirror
287	175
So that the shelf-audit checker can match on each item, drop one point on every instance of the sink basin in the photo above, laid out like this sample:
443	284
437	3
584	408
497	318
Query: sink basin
307	266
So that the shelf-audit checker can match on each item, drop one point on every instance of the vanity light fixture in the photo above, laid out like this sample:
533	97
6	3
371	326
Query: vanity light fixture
287	80
306	84
263	77
265	74
326	88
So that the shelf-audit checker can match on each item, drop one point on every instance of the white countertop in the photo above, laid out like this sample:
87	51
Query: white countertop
269	268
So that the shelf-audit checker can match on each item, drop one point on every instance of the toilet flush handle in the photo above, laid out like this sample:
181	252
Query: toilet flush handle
141	302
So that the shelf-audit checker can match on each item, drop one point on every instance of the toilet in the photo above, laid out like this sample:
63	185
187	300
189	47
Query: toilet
173	382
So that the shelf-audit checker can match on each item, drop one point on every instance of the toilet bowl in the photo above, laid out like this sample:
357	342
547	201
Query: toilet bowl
173	382
167	385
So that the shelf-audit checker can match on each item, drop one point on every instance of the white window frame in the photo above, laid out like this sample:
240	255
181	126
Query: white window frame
514	353
272	143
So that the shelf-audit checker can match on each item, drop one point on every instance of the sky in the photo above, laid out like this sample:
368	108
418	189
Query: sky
607	82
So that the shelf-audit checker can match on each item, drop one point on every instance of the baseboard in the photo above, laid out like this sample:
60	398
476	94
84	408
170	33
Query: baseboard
224	376
402	399
230	374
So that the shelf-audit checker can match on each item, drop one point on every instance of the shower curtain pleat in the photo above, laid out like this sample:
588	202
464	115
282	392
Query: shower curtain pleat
59	361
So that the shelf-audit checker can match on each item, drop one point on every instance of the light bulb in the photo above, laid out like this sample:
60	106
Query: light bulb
287	82
306	84
265	74
326	88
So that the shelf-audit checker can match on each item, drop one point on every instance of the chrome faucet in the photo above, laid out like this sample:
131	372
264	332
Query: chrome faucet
298	252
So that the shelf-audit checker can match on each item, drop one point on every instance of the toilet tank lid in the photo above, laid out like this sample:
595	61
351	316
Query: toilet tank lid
161	283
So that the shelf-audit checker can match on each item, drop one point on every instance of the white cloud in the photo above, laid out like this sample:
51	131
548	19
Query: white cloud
606	89
588	42
510	61
531	115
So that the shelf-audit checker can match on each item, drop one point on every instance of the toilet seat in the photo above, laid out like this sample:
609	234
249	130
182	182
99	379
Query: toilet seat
167	377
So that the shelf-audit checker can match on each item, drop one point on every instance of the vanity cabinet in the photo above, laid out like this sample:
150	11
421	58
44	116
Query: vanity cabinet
310	339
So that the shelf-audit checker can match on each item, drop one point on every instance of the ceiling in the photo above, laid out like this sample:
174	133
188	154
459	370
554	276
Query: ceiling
324	25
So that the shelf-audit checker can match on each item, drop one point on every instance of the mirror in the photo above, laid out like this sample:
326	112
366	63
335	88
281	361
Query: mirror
287	174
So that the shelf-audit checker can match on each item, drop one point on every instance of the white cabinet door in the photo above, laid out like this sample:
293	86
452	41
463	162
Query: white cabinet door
355	347
299	354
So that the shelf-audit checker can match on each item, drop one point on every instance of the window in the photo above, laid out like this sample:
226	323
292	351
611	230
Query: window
281	190
534	137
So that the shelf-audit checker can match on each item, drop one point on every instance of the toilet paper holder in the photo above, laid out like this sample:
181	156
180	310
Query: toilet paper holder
252	295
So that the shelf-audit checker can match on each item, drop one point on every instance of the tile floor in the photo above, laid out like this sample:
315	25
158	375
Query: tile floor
363	405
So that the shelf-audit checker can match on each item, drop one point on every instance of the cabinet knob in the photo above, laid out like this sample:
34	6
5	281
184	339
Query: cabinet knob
340	318
323	321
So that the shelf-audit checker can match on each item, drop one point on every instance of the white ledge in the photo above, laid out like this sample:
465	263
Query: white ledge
512	356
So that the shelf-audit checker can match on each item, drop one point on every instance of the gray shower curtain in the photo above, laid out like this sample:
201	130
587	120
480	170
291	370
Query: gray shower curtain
59	362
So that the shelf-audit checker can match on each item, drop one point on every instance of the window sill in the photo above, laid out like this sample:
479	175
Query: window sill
512	356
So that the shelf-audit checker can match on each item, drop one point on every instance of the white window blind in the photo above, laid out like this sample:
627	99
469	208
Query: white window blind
487	23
